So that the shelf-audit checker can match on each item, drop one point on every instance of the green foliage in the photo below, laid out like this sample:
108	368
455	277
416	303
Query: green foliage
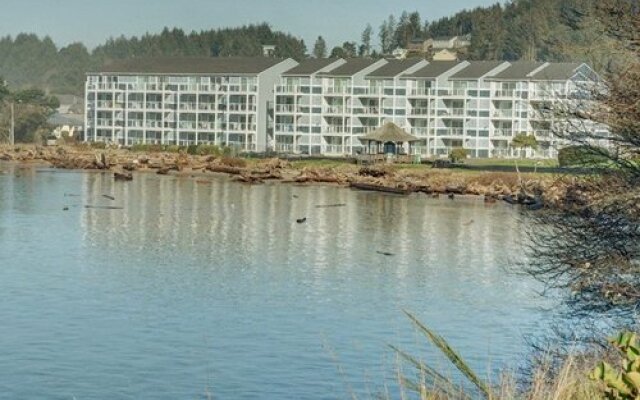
458	154
524	141
438	381
582	156
623	383
30	61
320	48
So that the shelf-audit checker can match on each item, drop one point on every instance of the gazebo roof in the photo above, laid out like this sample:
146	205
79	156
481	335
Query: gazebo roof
389	132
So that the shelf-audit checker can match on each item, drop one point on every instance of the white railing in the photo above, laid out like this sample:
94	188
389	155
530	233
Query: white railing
288	108
285	128
335	129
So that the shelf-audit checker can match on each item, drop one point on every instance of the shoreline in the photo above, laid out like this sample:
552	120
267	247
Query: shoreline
531	190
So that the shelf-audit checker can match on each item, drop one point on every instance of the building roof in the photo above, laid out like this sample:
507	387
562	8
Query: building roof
389	132
350	68
557	72
433	70
394	68
191	65
476	70
310	66
518	70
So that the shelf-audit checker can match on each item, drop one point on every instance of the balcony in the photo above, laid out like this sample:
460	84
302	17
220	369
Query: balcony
503	114
285	128
336	90
450	131
334	149
104	122
285	108
367	110
420	111
420	92
156	105
501	132
334	110
452	92
335	129
105	104
504	93
188	106
187	125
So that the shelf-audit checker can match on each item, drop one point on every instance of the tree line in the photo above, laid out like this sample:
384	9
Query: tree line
542	30
30	61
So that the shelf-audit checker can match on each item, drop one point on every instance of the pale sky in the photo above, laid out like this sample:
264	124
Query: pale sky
93	21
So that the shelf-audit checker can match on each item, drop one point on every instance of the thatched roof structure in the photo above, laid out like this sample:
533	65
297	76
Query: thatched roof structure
389	132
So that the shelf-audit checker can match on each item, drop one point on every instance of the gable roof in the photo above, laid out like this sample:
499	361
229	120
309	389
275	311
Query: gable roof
310	66
557	72
518	70
476	70
394	68
191	65
350	68
433	70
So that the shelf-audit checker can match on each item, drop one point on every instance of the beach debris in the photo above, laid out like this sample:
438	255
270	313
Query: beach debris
301	220
451	196
71	195
65	208
330	205
468	223
385	253
108	196
123	176
295	196
104	207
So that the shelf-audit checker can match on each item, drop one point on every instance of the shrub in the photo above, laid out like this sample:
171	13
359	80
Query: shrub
173	148
458	154
623	383
98	145
574	156
208	150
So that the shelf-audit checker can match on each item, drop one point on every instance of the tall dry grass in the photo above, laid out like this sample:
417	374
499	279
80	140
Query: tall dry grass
569	381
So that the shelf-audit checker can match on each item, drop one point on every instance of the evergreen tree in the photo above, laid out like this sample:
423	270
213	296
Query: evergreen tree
320	48
366	41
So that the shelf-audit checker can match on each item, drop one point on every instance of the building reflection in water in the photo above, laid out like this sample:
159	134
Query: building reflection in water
205	219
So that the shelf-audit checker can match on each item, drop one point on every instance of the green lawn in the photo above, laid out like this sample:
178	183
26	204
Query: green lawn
524	162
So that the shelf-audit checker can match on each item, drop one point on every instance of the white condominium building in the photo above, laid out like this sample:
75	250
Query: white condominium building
476	105
183	101
323	106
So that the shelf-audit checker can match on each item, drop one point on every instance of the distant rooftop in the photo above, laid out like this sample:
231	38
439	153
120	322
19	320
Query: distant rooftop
191	65
557	72
394	68
518	70
310	66
476	70
350	68
433	70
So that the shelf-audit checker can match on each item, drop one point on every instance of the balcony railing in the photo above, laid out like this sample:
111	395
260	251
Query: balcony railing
285	128
503	132
450	131
334	110
287	108
335	129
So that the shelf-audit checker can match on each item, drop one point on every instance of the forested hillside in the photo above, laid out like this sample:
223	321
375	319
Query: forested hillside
544	30
30	61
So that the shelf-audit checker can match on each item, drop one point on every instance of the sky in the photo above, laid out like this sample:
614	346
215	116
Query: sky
93	21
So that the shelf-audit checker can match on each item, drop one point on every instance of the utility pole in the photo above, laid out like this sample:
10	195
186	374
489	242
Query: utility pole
13	127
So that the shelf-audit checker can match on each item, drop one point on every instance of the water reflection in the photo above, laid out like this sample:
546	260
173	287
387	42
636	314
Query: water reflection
212	285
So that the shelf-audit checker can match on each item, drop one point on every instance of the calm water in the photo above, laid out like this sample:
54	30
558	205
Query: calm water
213	289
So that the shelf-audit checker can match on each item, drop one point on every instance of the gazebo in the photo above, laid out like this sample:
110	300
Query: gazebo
388	139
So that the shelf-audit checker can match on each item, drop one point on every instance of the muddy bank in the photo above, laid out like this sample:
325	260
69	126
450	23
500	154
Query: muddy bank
532	190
